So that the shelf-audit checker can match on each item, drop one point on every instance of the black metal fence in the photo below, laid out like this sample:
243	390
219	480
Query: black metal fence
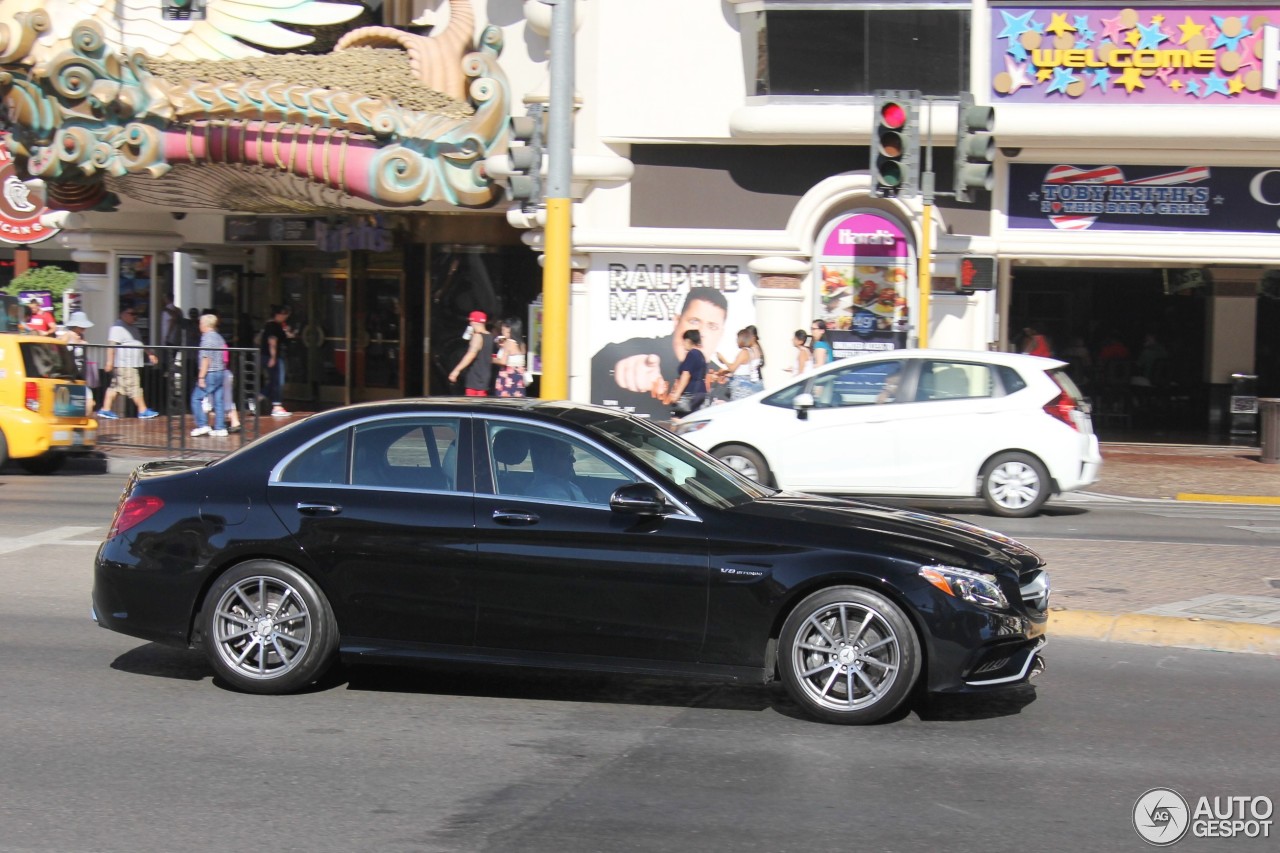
166	379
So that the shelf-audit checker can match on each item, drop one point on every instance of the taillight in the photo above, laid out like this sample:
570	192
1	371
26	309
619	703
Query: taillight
31	396
134	511
1062	407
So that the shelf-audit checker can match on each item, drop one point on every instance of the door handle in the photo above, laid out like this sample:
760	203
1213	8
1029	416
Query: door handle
319	509
514	517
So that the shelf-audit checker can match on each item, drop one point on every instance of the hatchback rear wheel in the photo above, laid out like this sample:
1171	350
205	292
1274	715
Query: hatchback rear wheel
1015	485
848	655
267	629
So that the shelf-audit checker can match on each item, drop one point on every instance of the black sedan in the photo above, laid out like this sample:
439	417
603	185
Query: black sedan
550	534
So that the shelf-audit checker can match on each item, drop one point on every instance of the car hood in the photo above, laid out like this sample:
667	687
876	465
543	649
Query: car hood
926	536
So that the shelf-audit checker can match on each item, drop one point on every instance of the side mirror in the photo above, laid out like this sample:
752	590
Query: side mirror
639	499
803	403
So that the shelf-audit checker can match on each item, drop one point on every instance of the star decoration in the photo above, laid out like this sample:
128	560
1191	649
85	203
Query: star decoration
1157	19
1175	85
1033	196
1082	27
1133	37
1193	88
1017	75
1229	42
1037	27
1190	29
1163	74
1215	83
1044	74
1017	51
1015	25
1111	29
1131	79
1062	78
1059	26
1235	85
1247	47
1101	77
1217	199
1151	37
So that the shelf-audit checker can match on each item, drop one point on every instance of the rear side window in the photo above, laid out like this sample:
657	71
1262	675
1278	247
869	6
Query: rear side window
1010	379
413	453
954	380
48	361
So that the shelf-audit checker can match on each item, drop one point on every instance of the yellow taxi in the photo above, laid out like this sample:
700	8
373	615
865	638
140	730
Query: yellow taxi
45	407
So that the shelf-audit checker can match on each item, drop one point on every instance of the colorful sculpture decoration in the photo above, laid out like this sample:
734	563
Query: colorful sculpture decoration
86	118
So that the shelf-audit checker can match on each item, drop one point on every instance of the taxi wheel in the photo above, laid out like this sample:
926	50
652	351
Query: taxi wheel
48	464
4	449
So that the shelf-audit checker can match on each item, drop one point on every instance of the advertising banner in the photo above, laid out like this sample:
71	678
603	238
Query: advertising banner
1169	53
1144	198
21	204
866	266
641	306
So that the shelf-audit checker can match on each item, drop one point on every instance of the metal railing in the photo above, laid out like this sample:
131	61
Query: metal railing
166	384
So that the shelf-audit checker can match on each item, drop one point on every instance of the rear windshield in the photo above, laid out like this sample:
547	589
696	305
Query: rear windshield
48	361
1065	382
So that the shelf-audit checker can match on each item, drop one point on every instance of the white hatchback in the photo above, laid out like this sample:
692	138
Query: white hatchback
1009	428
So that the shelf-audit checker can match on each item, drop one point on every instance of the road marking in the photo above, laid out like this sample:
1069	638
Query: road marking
1265	500
53	536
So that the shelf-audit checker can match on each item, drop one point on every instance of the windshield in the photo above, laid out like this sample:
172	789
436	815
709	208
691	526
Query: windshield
694	472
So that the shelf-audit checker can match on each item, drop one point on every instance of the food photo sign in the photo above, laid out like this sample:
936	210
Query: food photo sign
1170	53
866	266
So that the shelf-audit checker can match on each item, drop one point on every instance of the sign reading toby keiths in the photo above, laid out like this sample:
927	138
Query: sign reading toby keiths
1144	198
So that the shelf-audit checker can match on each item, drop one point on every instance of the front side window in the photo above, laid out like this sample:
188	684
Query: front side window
541	463
842	49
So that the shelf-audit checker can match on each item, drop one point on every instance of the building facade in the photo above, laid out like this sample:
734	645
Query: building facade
722	151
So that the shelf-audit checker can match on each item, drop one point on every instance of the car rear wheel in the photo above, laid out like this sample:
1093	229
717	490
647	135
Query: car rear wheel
267	629
1015	485
50	463
848	655
745	461
4	449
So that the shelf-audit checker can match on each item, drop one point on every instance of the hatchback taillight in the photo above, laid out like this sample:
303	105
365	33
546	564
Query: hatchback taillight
1063	408
133	511
31	396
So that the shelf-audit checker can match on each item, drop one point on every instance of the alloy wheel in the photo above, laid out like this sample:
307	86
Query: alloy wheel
262	627
846	656
1014	485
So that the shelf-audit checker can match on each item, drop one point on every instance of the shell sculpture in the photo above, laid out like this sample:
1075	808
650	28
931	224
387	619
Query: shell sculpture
192	111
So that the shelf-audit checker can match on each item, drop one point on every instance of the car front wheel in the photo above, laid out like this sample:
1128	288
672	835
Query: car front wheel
848	655
1015	485
267	629
50	463
745	461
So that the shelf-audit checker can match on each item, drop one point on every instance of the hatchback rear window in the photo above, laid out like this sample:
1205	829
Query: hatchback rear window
1066	383
48	361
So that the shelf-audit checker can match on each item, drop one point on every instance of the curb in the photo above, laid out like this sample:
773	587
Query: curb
1261	500
1149	630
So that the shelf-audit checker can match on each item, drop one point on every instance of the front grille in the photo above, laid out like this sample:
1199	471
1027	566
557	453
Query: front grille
1034	587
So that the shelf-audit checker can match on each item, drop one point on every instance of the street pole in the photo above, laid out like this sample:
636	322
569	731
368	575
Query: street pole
558	236
925	272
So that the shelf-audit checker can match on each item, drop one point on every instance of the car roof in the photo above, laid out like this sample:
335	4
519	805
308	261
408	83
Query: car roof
1012	359
477	405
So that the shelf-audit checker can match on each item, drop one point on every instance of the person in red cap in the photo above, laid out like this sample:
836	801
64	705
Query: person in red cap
477	369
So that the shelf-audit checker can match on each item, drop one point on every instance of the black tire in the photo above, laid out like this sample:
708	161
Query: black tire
746	461
50	463
1015	485
4	449
280	648
848	655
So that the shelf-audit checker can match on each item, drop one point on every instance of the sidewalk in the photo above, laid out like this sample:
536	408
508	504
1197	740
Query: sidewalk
1223	597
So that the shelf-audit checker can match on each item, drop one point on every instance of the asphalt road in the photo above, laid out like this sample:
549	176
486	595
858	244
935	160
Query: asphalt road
113	744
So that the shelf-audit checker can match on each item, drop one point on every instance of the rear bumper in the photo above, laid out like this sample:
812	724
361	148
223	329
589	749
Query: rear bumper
32	435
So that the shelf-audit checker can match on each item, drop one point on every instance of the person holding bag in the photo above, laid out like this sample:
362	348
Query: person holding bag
689	393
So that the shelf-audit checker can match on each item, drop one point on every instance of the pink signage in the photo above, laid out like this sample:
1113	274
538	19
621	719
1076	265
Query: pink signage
1166	54
865	235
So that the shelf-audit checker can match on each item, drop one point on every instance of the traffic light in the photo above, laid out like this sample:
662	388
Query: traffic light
526	159
895	142
975	148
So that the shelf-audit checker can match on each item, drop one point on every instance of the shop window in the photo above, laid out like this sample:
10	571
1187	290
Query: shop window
853	48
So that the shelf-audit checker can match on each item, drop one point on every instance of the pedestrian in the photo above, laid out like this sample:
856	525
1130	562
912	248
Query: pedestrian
170	323
689	392
41	321
275	335
743	372
478	370
822	352
800	341
73	333
1034	343
510	358
210	366
228	392
125	356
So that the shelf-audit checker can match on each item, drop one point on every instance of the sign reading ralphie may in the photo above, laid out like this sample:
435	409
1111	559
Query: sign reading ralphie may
1165	54
21	205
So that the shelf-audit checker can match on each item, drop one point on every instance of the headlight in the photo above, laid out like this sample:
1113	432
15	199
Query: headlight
686	427
974	587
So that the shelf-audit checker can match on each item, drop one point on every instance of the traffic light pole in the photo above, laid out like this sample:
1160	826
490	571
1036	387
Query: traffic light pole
558	236
925	273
